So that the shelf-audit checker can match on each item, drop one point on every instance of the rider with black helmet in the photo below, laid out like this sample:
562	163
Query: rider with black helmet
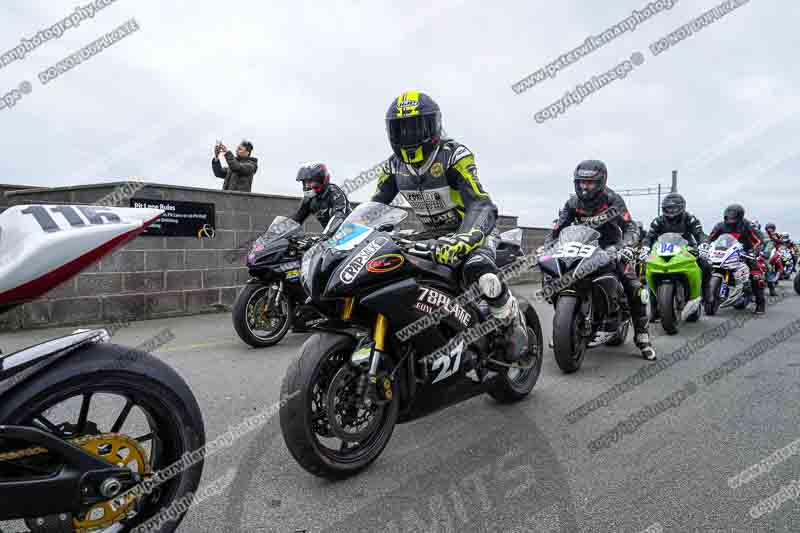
675	219
596	204
438	177
321	198
751	239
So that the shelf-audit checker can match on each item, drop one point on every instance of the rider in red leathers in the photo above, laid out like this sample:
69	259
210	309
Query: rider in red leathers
751	239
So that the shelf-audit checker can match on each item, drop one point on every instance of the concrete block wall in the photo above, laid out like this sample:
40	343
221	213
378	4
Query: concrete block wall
158	277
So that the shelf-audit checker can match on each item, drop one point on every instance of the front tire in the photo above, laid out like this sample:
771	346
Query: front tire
712	306
302	421
244	317
107	371
569	347
516	384
667	309
797	284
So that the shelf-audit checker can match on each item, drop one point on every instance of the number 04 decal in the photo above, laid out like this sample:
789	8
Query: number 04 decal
94	215
575	249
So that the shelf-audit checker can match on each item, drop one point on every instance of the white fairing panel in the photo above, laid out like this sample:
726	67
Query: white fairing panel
42	246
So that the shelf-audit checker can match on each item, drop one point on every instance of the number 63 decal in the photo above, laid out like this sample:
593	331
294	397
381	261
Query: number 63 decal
575	249
94	215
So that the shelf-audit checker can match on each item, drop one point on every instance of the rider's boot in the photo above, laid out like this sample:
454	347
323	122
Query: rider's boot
761	301
510	317
644	344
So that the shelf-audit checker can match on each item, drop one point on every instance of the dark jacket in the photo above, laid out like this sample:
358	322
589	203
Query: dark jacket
610	218
750	237
687	225
332	204
448	196
239	176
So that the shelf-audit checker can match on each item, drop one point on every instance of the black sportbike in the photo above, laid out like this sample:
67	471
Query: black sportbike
590	304
273	300
396	345
83	421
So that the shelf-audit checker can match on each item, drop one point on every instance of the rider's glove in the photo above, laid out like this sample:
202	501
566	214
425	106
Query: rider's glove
451	249
643	254
703	250
627	255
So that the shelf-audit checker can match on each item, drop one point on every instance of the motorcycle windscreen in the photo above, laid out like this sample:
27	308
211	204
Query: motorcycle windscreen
578	233
41	246
670	244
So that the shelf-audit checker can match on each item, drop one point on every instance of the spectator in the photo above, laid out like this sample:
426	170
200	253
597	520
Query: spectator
240	170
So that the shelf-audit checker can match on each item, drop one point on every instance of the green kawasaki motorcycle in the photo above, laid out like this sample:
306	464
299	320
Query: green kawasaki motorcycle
674	279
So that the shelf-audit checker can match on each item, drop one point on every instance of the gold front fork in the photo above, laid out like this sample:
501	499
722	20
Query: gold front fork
381	325
348	308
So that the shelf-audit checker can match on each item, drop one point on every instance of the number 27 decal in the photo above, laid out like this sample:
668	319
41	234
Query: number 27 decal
94	215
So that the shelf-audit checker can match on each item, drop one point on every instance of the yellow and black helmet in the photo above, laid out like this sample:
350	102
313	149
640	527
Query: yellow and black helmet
414	126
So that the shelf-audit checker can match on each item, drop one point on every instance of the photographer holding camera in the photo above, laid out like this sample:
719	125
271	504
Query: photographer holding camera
237	171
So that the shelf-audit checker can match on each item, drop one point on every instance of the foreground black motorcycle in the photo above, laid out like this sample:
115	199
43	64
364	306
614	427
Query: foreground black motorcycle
273	300
83	421
590	304
381	357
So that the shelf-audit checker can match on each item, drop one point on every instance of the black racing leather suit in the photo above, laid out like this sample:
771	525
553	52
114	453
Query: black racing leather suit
687	225
329	207
690	229
610	217
447	197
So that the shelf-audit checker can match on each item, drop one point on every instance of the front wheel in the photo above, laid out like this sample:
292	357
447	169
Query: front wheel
259	318
516	383
318	384
123	405
667	308
797	284
712	306
569	345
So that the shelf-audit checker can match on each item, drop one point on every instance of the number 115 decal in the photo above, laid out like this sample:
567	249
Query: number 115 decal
94	215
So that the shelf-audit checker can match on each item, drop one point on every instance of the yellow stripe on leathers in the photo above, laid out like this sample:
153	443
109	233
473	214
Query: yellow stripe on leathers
461	167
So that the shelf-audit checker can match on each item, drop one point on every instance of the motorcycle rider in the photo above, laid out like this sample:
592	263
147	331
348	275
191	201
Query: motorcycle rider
327	202
675	219
321	198
438	177
751	239
618	234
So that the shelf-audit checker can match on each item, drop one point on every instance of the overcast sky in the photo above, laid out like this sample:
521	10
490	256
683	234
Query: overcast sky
312	80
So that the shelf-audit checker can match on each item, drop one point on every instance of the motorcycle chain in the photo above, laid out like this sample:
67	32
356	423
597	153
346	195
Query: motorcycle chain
111	512
38	450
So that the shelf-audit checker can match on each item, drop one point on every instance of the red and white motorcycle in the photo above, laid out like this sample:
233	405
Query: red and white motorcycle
83	421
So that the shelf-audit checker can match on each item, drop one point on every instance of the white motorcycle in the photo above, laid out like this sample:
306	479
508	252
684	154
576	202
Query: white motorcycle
730	279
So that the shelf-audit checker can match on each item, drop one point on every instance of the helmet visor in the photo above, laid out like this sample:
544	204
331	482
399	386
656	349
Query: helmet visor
410	131
671	210
588	185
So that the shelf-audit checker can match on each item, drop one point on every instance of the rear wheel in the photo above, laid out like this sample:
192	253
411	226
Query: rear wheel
569	346
516	383
712	306
123	405
258	318
667	307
